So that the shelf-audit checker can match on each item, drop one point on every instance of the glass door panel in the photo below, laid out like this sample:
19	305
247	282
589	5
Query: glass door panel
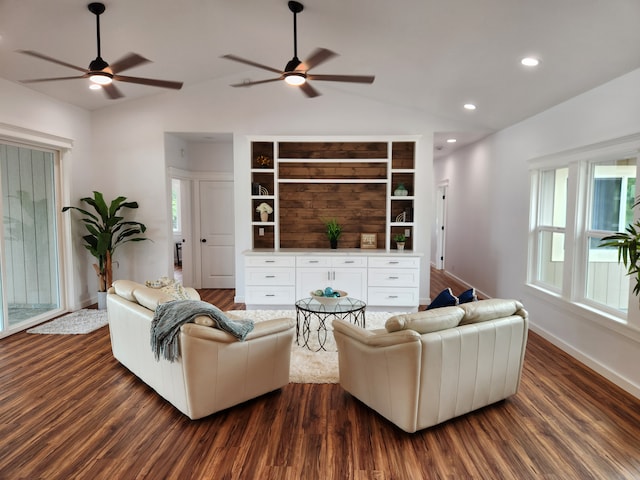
29	262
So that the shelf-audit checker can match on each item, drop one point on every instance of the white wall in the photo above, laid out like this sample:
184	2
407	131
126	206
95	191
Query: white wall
130	137
489	213
46	118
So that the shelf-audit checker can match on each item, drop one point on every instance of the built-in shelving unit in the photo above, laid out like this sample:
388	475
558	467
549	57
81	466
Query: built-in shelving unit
306	182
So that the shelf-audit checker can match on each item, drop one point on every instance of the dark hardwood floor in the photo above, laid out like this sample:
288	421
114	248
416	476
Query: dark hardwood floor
69	410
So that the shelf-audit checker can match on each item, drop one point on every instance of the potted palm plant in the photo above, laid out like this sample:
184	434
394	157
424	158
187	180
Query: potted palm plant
628	245
107	231
334	230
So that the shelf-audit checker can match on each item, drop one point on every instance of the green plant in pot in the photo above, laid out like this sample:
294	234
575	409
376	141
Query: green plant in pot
107	231
334	230
400	239
628	245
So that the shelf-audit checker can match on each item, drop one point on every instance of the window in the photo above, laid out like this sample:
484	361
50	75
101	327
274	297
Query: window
578	198
550	231
175	205
613	186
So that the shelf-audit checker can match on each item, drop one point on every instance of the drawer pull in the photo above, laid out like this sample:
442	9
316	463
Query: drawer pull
392	296
395	262
393	278
269	261
349	261
313	261
269	295
269	276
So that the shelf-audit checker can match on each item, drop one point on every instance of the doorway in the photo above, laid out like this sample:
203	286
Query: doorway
441	231
217	224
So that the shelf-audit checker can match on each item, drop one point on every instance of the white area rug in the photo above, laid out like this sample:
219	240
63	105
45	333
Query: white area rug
78	322
309	366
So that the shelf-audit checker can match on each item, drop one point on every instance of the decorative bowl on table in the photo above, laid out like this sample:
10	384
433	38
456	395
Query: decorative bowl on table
329	300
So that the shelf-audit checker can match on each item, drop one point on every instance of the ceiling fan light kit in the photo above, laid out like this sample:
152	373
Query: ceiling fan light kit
295	72
100	73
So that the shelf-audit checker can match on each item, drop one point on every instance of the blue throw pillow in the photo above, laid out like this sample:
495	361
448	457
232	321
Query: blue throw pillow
444	299
468	296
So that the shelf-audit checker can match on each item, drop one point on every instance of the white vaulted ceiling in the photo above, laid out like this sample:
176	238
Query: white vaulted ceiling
429	55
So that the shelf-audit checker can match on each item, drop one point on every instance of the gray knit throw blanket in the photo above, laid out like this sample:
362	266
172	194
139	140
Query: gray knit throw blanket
170	316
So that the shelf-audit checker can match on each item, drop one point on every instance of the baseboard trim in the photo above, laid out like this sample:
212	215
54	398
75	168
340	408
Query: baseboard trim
590	362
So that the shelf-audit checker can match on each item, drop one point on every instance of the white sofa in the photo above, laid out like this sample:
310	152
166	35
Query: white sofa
427	367
214	371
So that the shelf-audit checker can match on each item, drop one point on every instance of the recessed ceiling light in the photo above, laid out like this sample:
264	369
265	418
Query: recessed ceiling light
469	106
451	140
530	62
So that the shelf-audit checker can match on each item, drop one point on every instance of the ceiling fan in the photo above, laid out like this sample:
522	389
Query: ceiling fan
100	72
297	72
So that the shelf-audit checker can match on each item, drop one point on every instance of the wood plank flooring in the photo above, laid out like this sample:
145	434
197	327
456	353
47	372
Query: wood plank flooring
69	410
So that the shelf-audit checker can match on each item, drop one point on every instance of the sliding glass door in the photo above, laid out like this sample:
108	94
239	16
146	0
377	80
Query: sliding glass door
29	261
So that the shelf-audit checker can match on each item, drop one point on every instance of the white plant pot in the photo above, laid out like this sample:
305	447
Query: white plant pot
264	216
102	300
400	246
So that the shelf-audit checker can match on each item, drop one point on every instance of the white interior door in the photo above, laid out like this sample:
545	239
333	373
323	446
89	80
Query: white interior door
217	251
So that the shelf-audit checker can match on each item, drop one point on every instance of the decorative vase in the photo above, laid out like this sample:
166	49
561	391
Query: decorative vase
333	243
401	191
400	246
264	217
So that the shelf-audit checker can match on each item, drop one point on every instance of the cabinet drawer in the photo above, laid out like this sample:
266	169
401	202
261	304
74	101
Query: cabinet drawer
270	261
393	297
394	262
310	261
270	276
348	261
270	295
386	277
328	262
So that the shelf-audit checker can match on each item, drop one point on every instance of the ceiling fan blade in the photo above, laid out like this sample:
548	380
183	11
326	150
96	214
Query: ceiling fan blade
112	91
128	61
342	78
149	81
253	64
53	60
52	79
309	91
318	56
257	82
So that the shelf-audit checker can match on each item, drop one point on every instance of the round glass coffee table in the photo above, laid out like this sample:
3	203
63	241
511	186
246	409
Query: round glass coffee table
308	309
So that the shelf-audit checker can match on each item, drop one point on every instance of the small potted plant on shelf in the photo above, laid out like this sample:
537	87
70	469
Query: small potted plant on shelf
264	209
334	230
400	239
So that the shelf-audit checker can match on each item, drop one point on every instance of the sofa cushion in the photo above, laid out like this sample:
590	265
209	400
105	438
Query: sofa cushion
151	297
468	296
125	288
444	299
484	310
426	321
159	283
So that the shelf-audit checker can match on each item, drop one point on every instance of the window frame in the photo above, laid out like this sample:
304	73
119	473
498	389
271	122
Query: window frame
573	293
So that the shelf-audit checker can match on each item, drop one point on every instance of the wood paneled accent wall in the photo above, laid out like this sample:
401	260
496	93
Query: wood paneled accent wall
316	181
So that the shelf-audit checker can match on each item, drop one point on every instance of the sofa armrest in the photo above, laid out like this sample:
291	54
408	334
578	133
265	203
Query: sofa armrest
375	339
261	329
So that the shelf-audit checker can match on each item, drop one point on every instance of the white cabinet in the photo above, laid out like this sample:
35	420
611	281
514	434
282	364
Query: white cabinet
390	281
345	273
270	280
394	281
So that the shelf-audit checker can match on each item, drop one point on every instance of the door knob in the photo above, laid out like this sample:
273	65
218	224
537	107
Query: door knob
204	240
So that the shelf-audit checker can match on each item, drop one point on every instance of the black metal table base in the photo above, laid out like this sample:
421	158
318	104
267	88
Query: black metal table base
354	313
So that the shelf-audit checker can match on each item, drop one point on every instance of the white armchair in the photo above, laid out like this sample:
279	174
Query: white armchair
430	366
